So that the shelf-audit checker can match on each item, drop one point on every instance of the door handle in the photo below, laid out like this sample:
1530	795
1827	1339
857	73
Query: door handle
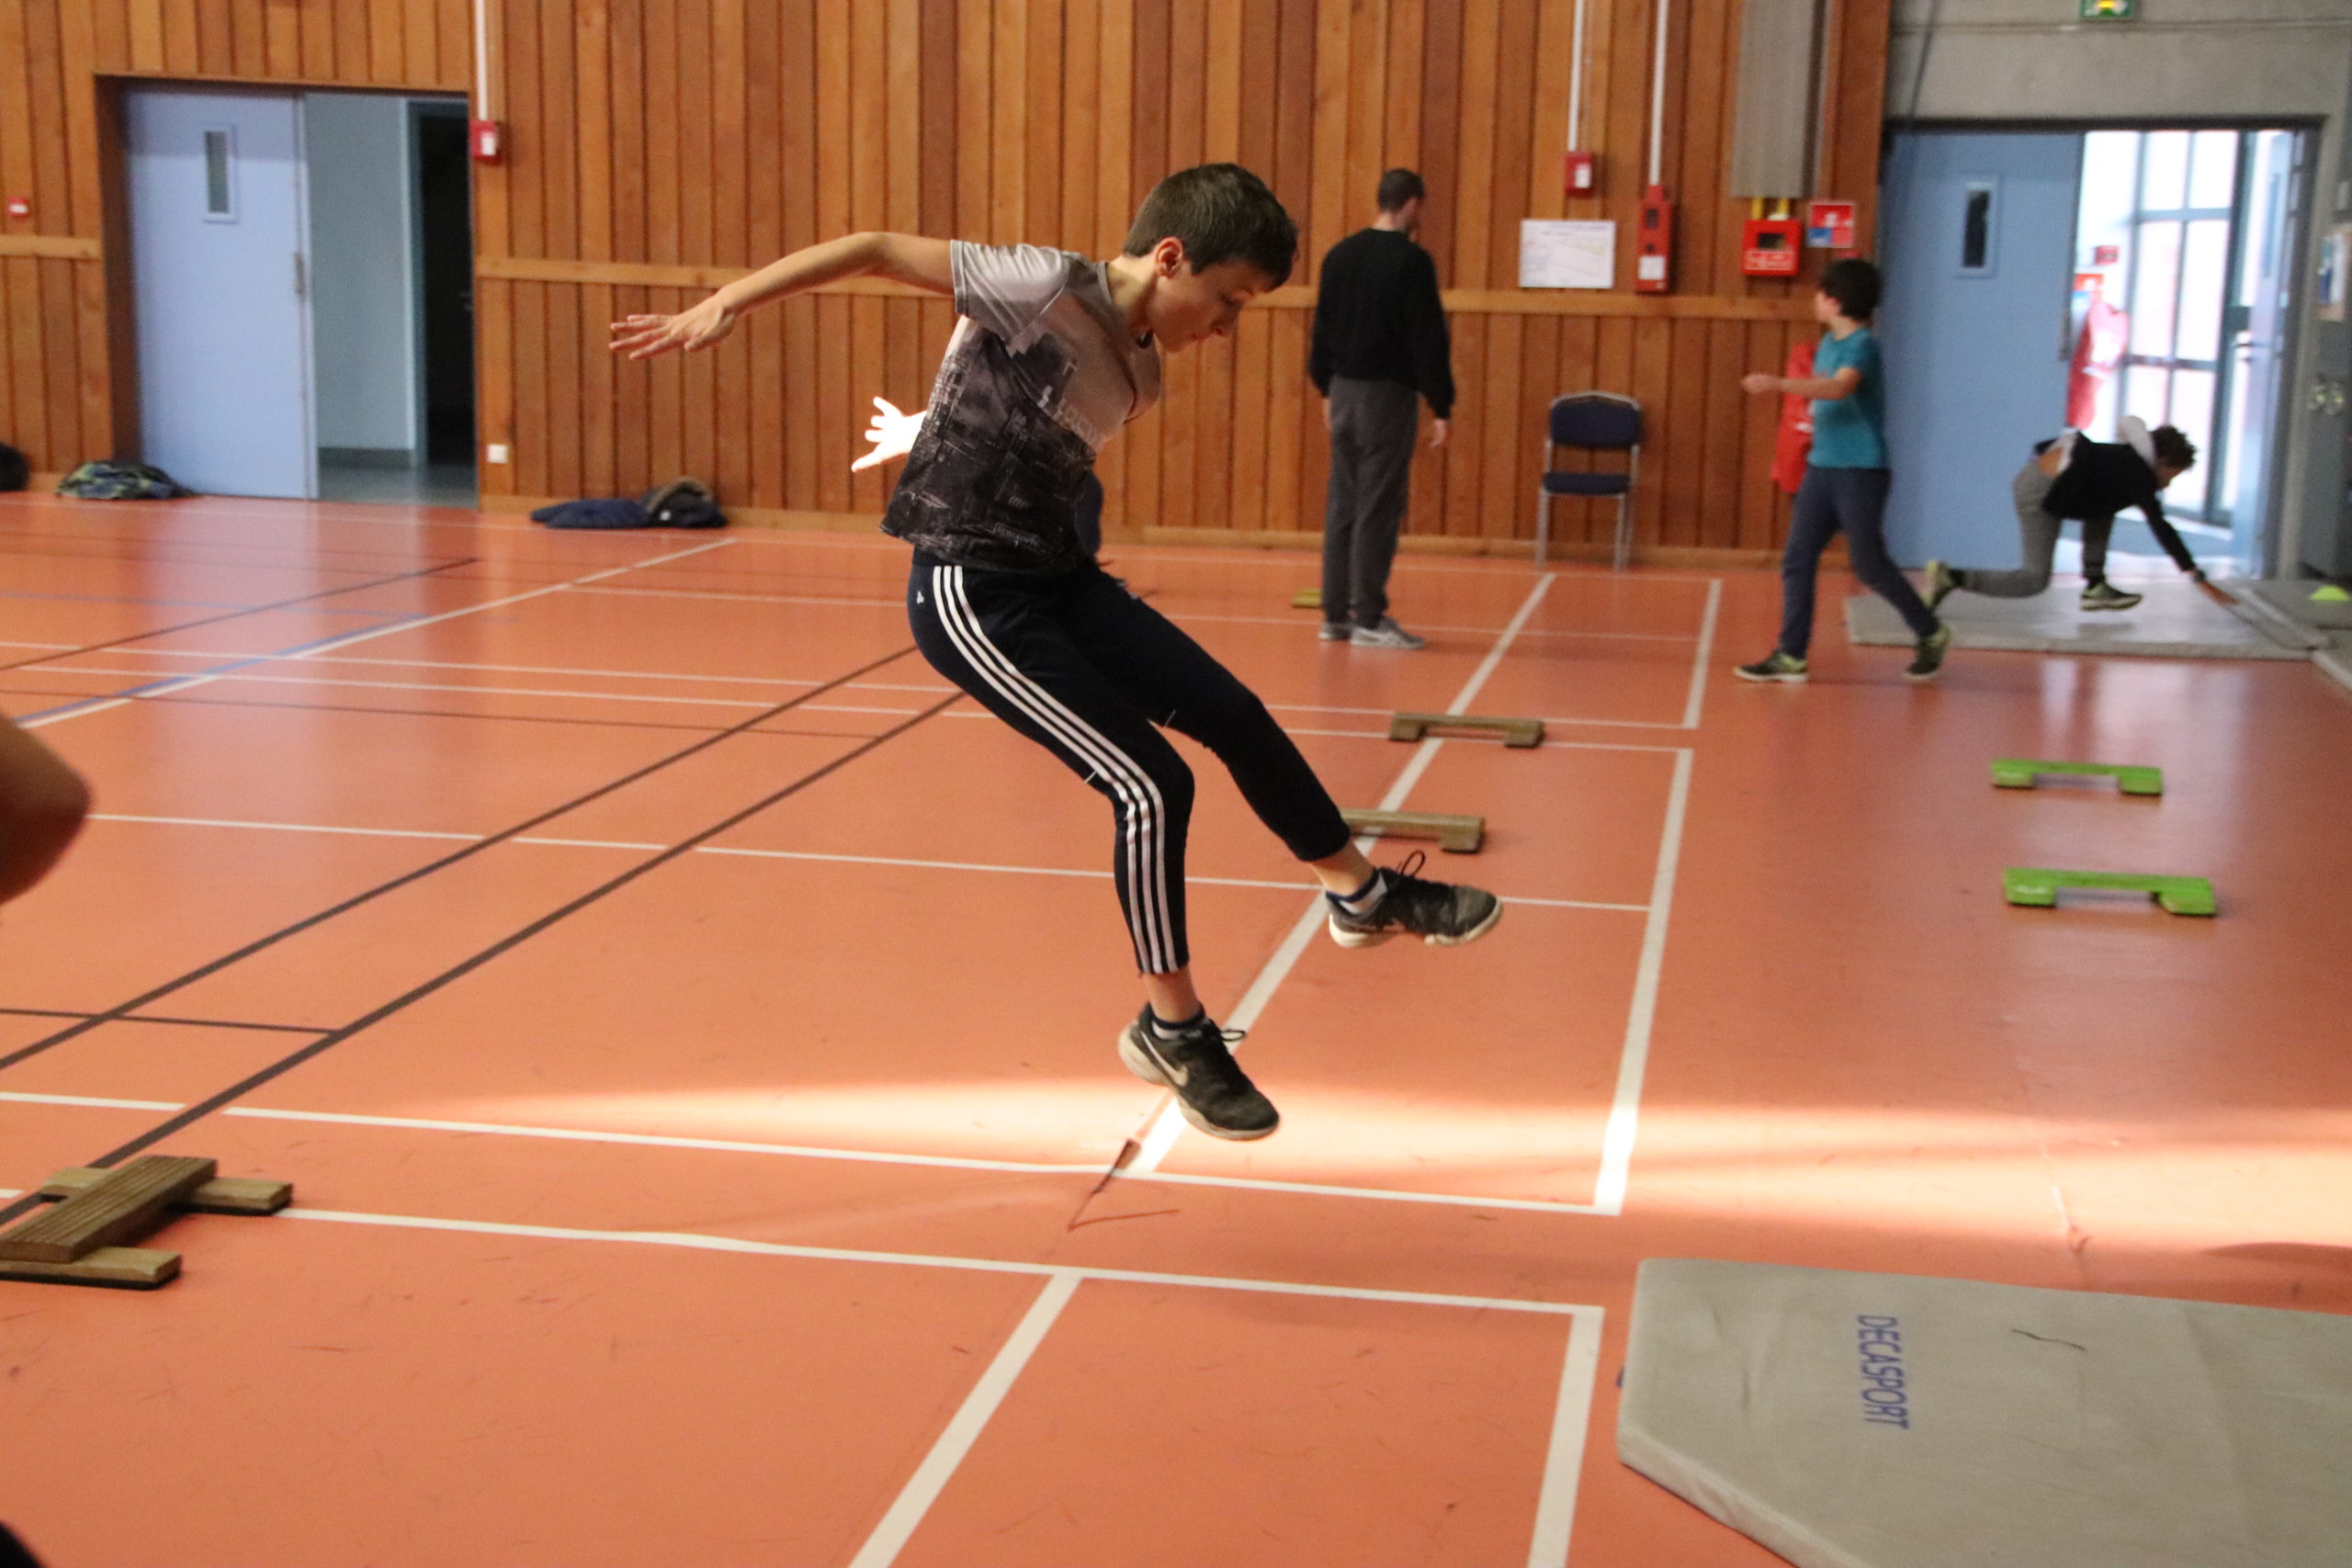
301	278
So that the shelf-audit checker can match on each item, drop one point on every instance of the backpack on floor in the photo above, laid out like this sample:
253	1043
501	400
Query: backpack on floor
683	503
15	472
116	479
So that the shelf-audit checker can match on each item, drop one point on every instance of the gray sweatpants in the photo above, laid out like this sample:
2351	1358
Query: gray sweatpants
2038	534
1373	425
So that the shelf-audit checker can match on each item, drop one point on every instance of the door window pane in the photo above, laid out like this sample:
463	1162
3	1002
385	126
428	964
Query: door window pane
2213	169
219	195
2164	182
2203	284
2153	292
2192	412
2144	392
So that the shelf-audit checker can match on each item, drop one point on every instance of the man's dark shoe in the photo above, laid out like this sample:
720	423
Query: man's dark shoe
1929	657
1442	914
1775	666
2107	596
1196	1061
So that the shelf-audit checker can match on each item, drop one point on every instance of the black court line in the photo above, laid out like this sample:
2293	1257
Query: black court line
157	993
248	610
151	1018
190	1114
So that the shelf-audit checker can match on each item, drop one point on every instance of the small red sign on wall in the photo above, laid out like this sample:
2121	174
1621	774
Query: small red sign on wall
1829	225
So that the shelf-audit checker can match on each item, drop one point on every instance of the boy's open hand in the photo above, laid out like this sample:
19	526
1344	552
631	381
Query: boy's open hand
642	337
892	434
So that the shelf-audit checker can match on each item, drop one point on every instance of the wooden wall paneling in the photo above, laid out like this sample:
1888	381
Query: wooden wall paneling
1081	122
212	41
937	87
13	343
657	175
1291	175
1148	122
1220	367
1367	69
61	358
1539	380
1474	171
1625	135
281	37
1244	489
530	360
29	428
422	29
1305	500
831	391
88	159
1499	434
453	27
1441	135
1188	53
764	93
1859	73
1007	146
1466	447
597	179
1514	120
525	166
869	210
1042	221
386	37
50	212
1221	95
1548	123
1653	379
1686	417
44	106
314	38
1712	259
1285	360
1401	106
625	108
1326	217
142	31
975	115
179	37
1727	431
1256	44
248	39
1115	191
697	159
494	301
905	383
1759	418
797	172
561	233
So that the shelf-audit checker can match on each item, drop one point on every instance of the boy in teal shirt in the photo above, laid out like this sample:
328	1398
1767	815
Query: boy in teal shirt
1846	479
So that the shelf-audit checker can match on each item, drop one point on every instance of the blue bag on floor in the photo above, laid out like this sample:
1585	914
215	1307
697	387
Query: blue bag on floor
612	513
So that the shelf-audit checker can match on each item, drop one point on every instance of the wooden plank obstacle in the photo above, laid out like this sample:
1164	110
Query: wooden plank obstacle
87	1239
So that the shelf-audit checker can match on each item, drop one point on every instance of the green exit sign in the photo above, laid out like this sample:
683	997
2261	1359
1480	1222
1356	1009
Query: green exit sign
2110	10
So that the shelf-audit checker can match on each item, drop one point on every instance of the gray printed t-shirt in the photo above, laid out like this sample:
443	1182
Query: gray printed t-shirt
1040	374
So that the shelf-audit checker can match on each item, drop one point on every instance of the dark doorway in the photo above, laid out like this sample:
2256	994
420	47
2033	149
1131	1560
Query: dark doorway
446	268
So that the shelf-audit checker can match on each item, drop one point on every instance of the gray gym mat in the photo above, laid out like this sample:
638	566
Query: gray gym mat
1887	1421
2177	620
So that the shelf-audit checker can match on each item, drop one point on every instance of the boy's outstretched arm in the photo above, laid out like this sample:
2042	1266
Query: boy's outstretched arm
903	258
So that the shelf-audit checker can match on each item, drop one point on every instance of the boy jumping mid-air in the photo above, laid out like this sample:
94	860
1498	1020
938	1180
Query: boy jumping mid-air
1052	355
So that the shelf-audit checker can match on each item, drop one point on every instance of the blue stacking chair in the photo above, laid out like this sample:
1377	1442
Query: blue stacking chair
1592	422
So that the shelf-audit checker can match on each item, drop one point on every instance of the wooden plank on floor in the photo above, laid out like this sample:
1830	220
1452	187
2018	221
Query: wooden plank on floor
120	1210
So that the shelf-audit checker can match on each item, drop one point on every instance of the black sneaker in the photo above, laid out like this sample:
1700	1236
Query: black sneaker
1775	666
1195	1062
1931	655
2107	596
1442	914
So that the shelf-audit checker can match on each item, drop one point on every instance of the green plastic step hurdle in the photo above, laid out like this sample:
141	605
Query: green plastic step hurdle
1306	599
2018	773
2037	887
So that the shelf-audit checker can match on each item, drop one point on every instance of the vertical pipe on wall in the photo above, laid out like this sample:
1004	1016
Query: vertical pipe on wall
1576	79
483	108
1658	99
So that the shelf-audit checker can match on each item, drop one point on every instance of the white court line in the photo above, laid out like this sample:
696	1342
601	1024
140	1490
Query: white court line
1701	654
930	1477
22	1097
753	598
1168	1125
1185	617
912	863
242	675
1625	1105
186	682
1556	1506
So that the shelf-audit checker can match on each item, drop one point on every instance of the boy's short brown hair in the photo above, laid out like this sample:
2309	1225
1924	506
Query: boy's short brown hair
1222	212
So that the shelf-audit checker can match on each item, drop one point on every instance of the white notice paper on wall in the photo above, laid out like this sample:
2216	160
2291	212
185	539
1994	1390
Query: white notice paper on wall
1557	254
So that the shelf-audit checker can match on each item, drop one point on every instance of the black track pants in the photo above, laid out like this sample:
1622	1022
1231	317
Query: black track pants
1086	670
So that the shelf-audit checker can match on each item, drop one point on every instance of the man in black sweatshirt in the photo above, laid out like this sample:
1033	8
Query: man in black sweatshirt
2075	476
1380	345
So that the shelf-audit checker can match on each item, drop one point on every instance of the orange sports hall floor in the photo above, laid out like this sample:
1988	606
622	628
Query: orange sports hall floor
687	1025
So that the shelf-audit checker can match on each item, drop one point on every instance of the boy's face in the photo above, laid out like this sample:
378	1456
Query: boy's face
1186	306
2167	472
1824	308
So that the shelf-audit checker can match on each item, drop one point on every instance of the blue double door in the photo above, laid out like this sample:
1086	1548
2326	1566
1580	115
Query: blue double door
1977	234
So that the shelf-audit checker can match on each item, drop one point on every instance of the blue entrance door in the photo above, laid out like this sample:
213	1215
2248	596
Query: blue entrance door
219	253
1976	236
